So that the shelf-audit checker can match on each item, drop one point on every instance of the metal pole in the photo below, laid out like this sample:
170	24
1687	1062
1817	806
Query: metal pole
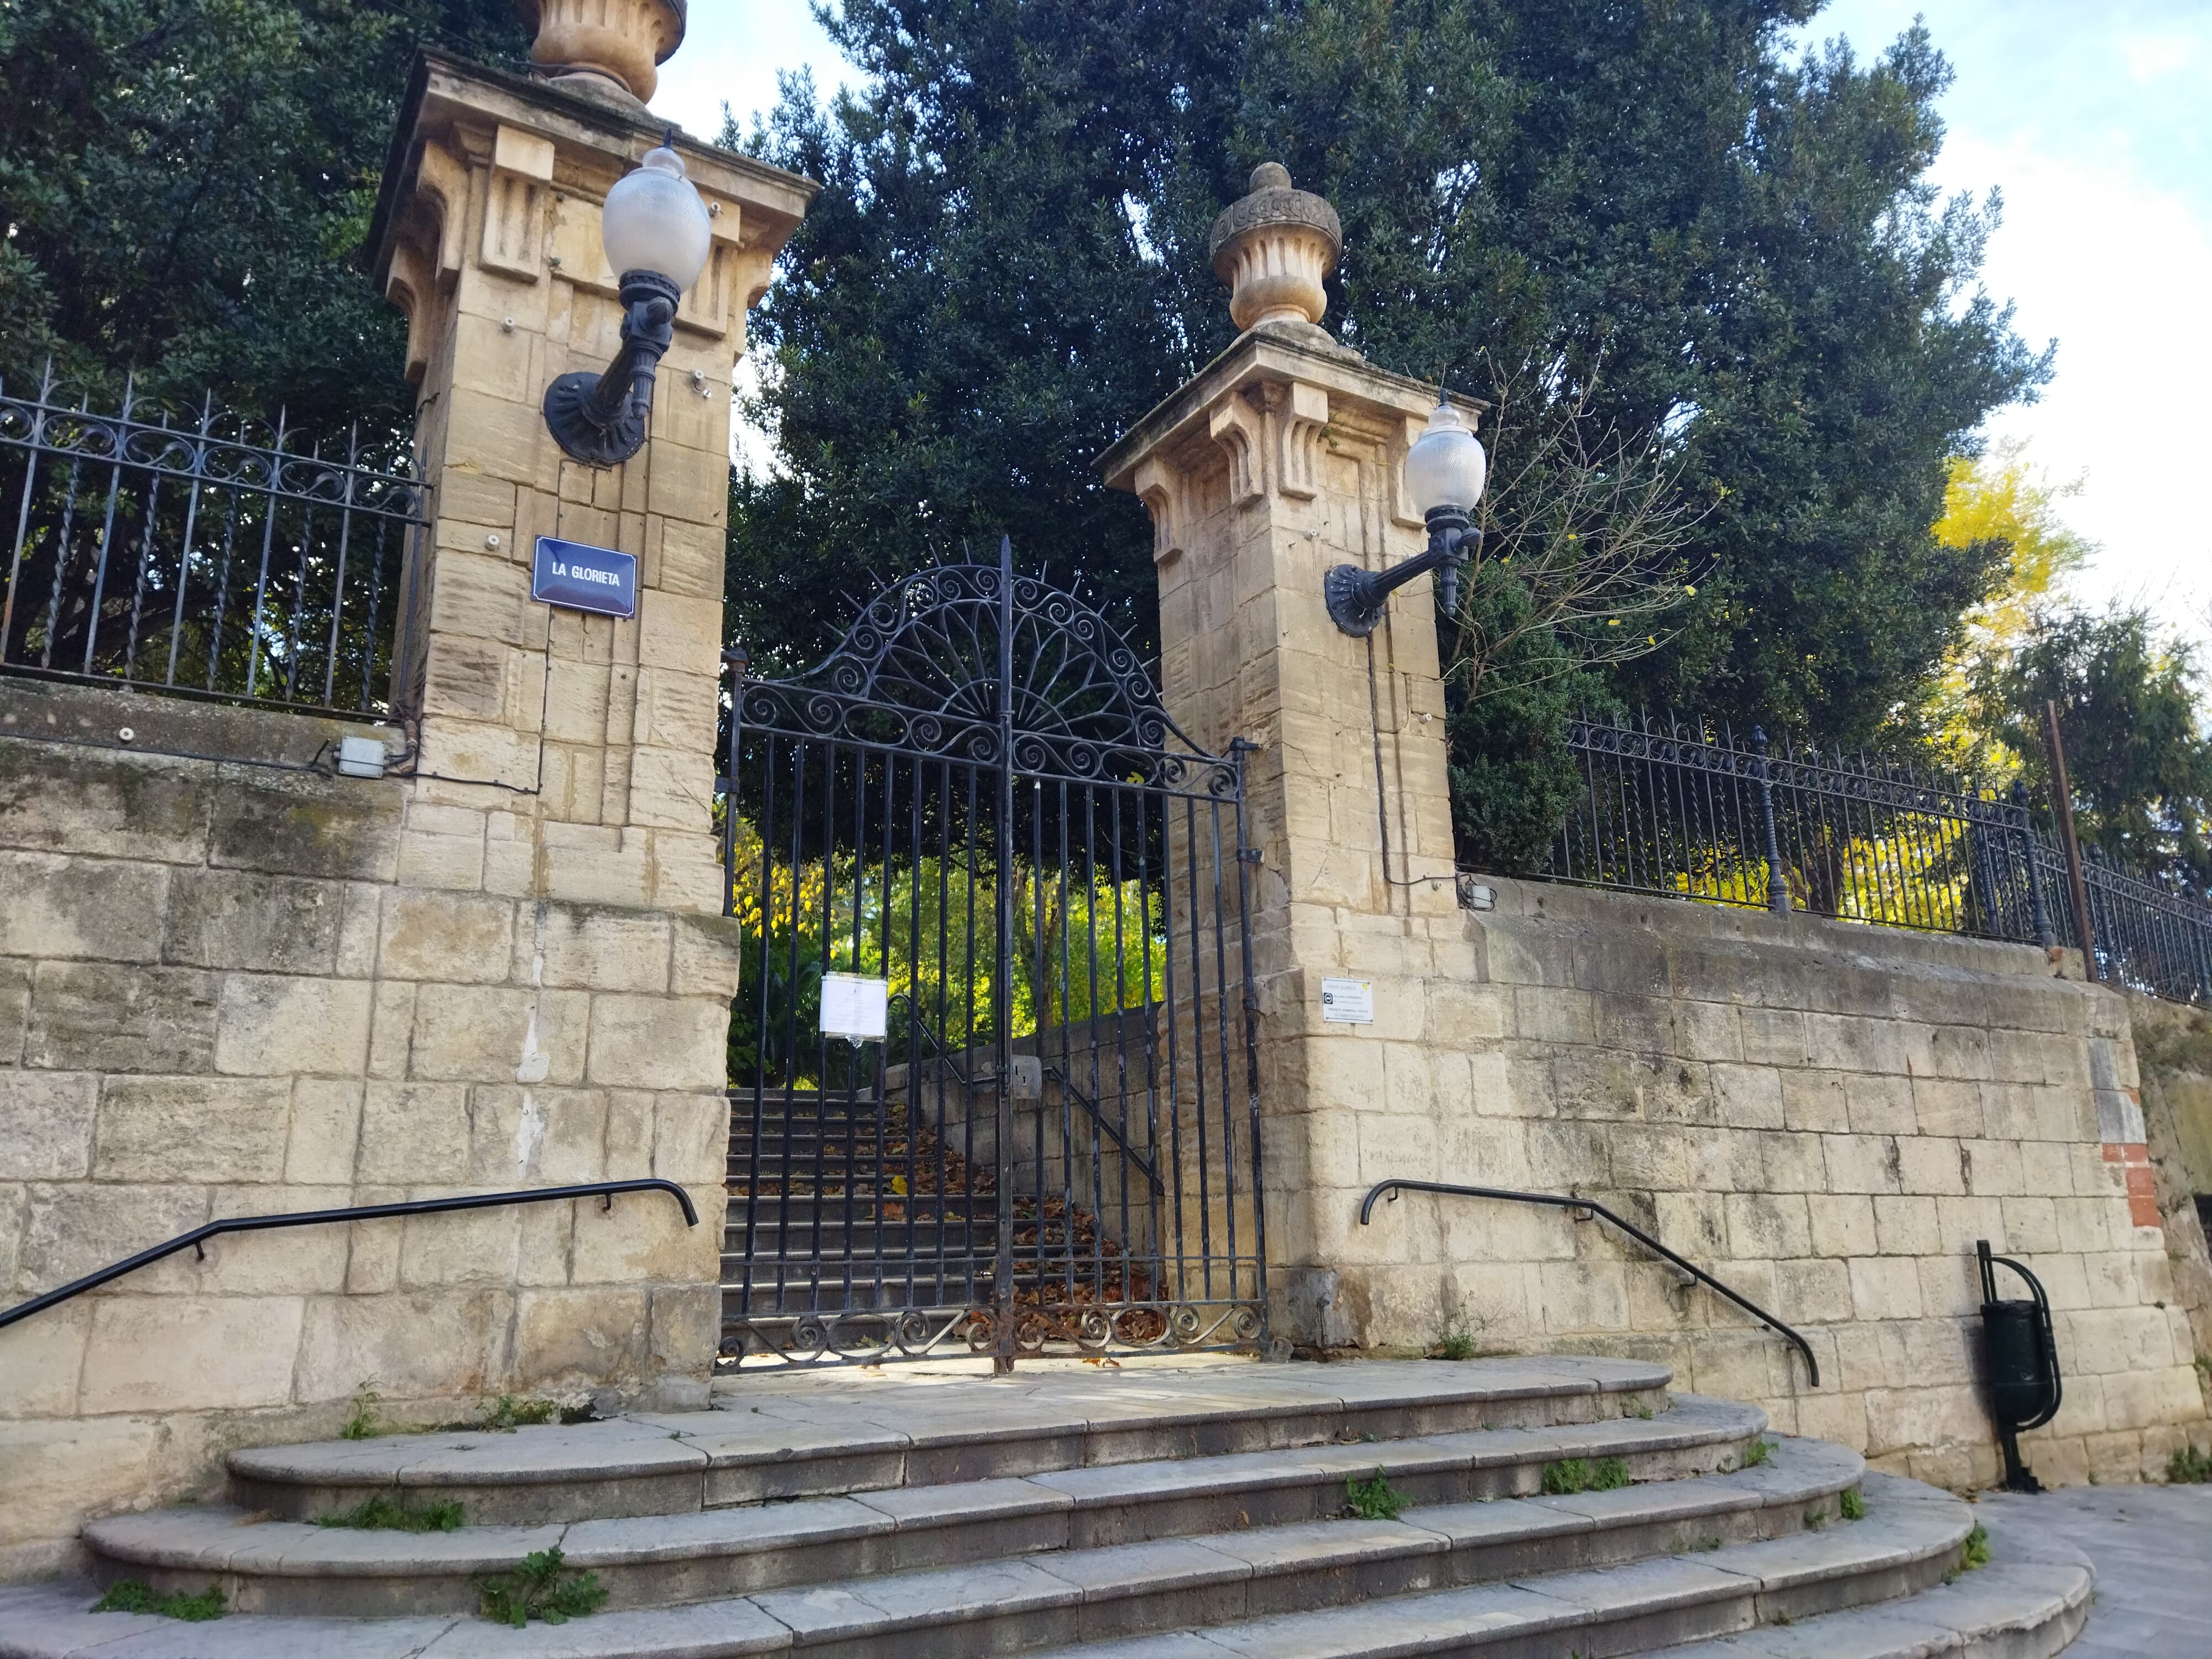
1778	884
1003	1310
2040	916
2061	798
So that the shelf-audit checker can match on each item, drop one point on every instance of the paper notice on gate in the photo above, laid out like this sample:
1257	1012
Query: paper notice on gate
1348	1002
854	1006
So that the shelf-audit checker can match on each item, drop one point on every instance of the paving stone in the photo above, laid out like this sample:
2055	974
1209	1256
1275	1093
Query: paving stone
706	1630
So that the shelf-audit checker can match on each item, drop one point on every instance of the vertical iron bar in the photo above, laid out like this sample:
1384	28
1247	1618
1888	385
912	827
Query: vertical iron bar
1777	882
31	453
760	1030
223	589
138	585
2062	801
1098	1094
107	526
1197	1054
1002	989
799	753
337	590
261	581
1221	1030
1238	748
192	525
2024	827
61	562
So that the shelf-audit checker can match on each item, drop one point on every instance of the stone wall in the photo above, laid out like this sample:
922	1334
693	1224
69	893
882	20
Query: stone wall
2173	1046
240	984
222	993
1827	1116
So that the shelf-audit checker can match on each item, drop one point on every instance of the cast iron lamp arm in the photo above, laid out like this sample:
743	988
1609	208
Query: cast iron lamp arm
601	419
1357	598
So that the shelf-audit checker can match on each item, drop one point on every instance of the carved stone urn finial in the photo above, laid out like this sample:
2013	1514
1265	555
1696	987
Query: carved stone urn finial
607	49
1275	249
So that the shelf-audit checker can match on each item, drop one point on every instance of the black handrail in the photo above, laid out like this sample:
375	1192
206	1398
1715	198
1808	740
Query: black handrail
254	1224
1081	1099
1067	1085
1554	1201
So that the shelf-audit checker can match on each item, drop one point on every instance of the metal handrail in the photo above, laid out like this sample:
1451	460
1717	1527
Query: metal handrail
254	1224
1554	1201
1067	1083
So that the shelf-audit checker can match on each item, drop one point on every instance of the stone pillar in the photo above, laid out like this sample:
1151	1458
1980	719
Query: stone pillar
1284	457
565	763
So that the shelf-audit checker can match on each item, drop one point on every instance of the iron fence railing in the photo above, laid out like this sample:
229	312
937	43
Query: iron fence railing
1682	810
204	556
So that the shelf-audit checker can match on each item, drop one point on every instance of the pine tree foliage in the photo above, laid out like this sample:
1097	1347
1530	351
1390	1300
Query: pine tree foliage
2130	715
185	186
1650	211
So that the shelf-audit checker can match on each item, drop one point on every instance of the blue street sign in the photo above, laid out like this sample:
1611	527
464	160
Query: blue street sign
582	577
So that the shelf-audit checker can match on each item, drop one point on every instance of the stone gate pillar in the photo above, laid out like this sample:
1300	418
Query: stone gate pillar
1283	457
558	840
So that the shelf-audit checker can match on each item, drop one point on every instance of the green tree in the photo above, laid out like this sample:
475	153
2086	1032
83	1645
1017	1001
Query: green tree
2132	714
185	185
2002	502
974	308
1644	209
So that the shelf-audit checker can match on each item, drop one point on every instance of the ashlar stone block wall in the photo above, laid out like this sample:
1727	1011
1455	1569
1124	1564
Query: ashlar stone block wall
219	996
1825	1116
227	987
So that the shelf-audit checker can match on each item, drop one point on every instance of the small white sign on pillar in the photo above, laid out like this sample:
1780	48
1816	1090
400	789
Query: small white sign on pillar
1347	1001
855	1006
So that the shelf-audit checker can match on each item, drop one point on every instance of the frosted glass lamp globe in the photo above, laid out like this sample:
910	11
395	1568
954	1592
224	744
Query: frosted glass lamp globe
1445	466
654	221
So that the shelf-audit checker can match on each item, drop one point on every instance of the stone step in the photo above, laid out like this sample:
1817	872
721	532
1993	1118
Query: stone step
1222	1592
1908	1541
797	1434
1279	1512
2030	1602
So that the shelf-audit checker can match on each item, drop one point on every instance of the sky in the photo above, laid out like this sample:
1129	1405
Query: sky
2093	118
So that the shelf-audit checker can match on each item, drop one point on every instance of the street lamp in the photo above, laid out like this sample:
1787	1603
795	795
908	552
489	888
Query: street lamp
1444	470
656	233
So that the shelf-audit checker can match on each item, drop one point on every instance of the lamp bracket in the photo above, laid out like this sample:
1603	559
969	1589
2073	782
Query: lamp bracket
1357	600
602	420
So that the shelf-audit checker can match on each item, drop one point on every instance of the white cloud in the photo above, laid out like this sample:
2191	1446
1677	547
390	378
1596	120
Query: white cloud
731	56
2117	272
2089	119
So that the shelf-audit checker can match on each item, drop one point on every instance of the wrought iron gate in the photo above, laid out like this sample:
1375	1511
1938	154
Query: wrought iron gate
978	799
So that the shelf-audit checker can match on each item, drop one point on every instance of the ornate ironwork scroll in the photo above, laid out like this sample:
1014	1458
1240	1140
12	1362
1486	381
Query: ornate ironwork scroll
203	554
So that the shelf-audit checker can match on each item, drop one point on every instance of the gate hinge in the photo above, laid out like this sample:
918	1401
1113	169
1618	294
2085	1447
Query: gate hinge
1247	855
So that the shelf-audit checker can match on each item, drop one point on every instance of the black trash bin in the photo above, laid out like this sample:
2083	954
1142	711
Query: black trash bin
2021	1355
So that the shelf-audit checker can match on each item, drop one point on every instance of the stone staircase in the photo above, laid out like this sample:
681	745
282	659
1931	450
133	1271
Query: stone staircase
1160	1510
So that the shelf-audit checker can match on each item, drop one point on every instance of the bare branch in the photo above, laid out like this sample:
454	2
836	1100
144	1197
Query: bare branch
1587	525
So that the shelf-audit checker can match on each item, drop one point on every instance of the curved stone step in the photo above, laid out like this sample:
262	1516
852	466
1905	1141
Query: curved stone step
2014	1608
1910	1539
291	1567
803	1435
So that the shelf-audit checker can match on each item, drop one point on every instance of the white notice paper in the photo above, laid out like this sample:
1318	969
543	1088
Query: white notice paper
854	1006
1348	1002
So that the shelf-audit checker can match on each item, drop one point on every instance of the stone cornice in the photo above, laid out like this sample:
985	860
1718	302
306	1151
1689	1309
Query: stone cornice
1271	352
444	88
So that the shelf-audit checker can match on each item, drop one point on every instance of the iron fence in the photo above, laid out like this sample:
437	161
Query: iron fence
205	555
1688	812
